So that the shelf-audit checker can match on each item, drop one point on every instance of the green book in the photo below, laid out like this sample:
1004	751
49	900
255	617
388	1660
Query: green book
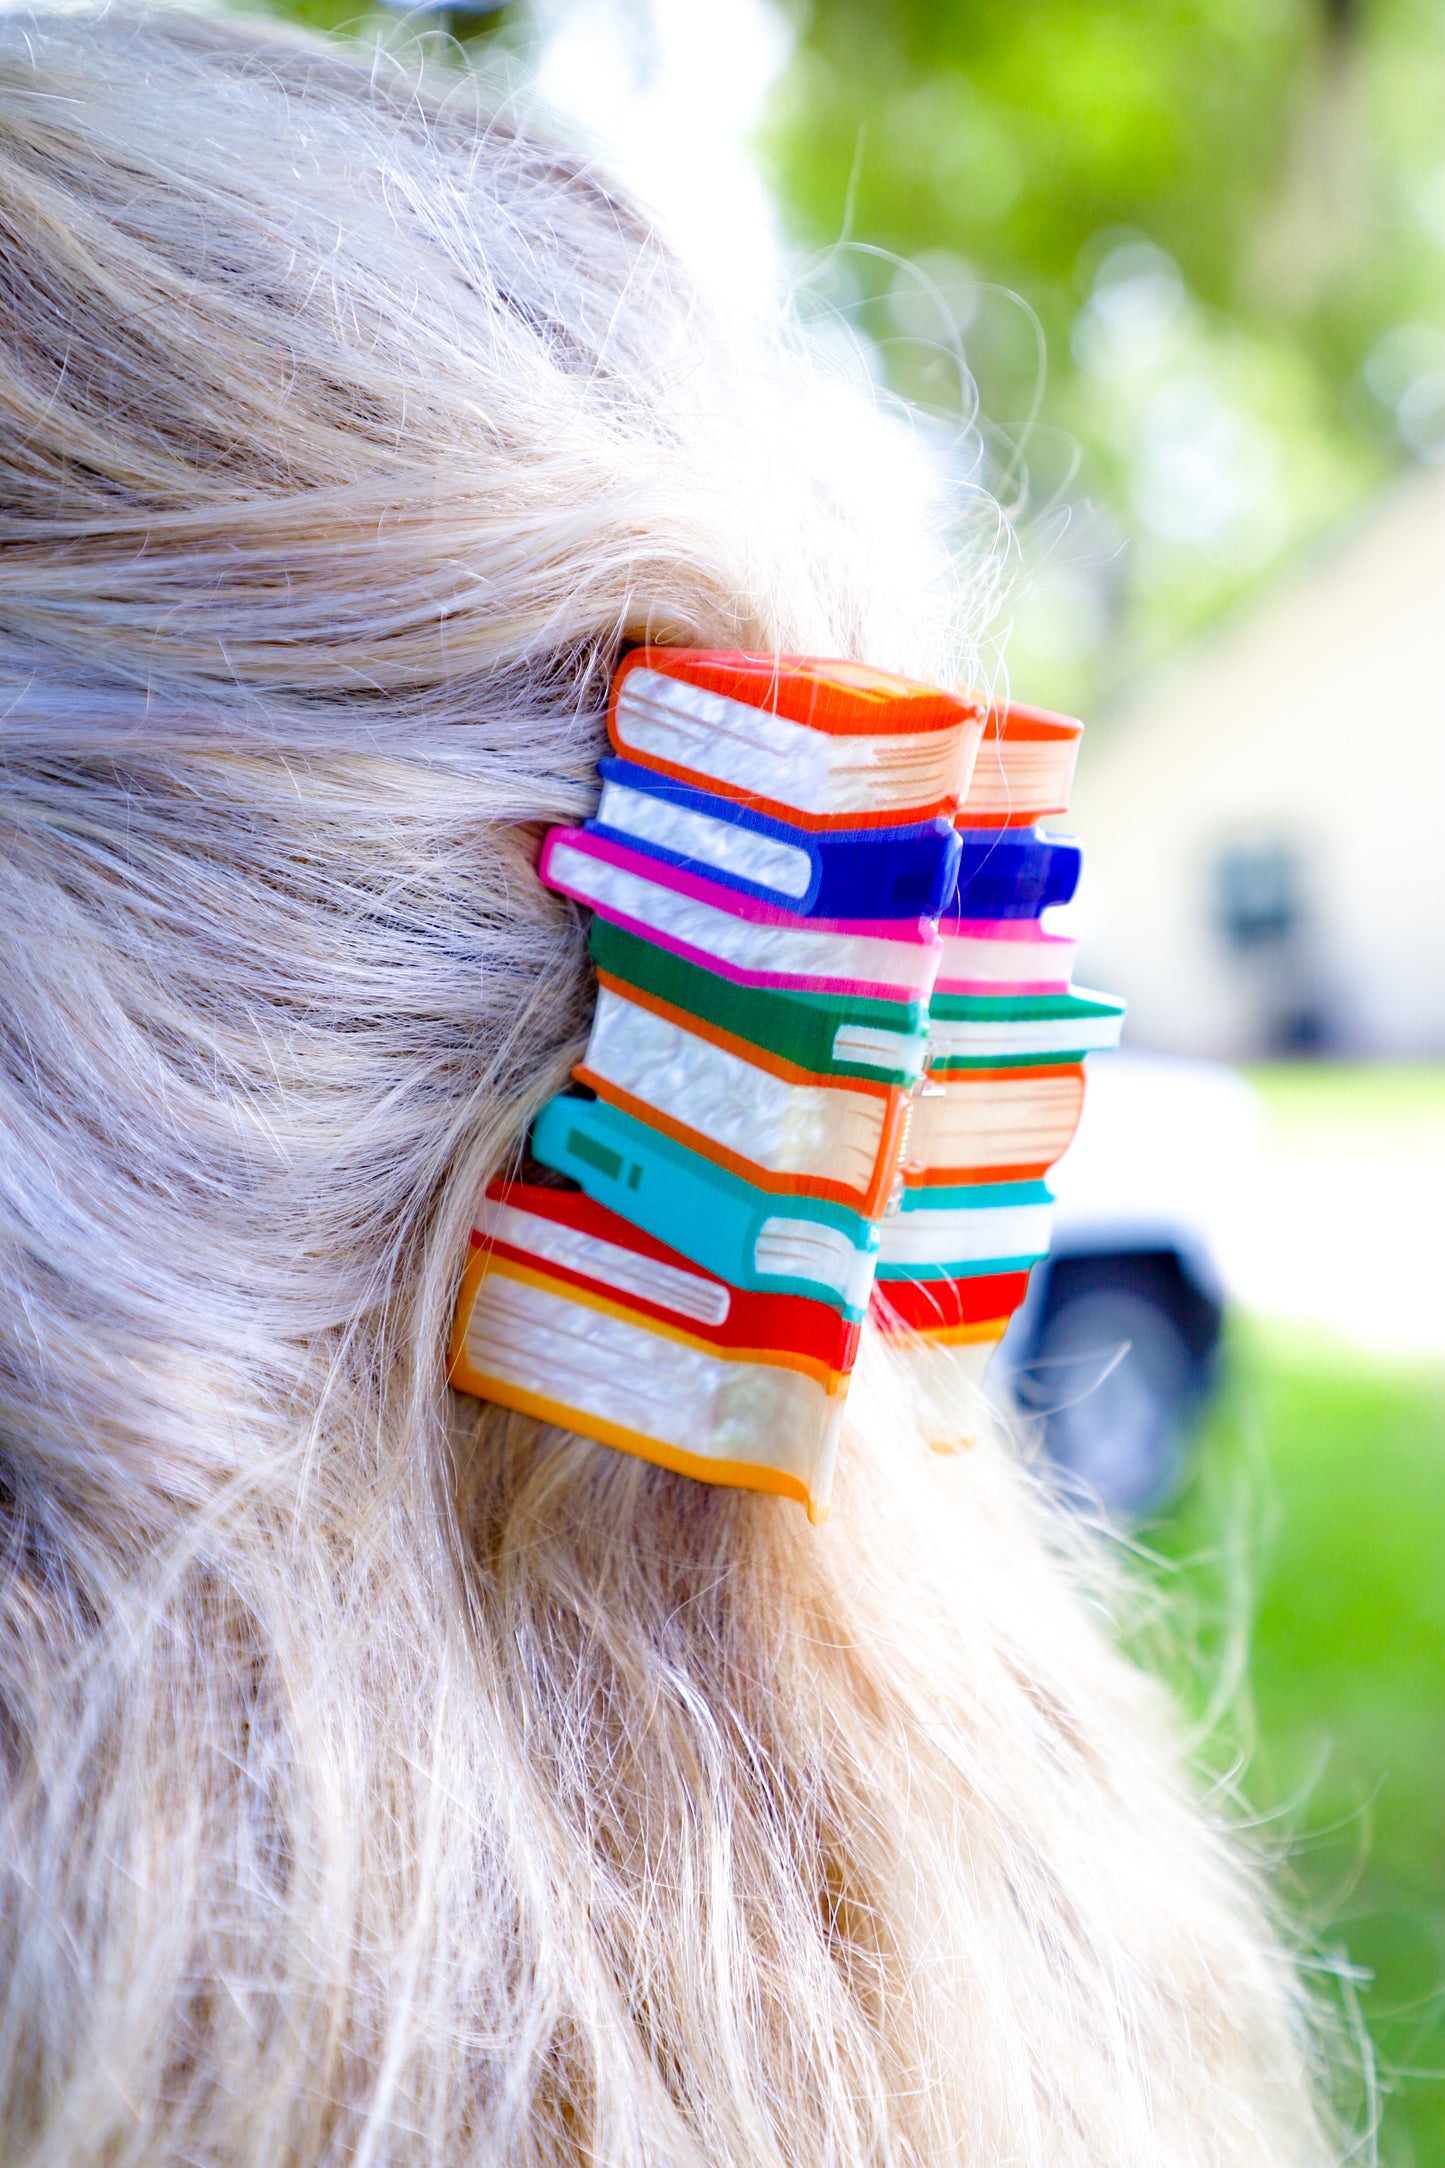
1017	1031
842	1035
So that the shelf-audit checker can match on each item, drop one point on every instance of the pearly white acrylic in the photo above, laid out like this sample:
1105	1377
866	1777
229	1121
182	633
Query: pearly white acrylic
1010	1121
783	1128
966	1235
731	848
550	1242
811	770
620	1373
802	952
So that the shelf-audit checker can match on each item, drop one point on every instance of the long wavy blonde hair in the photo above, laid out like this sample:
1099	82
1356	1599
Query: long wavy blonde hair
385	1778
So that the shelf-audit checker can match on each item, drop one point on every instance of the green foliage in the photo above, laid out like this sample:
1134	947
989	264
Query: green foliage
1305	1569
1214	212
1318	1495
1015	133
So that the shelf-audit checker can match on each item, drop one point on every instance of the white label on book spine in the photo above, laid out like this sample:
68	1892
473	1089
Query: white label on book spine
801	952
797	1249
743	852
954	1235
687	1294
780	1127
755	750
871	1048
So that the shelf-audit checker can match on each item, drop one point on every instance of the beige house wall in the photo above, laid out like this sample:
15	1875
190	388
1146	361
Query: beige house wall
1317	722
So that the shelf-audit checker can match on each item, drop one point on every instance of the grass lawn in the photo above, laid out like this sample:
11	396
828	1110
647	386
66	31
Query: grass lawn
1316	1521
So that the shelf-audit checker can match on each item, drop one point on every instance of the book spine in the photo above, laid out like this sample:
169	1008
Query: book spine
1013	873
1005	1020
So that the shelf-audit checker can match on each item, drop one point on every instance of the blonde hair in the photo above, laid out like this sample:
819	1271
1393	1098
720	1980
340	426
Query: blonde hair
388	1778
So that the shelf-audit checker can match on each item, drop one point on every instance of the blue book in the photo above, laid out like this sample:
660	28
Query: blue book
1013	872
753	1239
850	873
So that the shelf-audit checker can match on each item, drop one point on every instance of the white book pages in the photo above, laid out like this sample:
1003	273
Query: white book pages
780	1127
954	1235
1013	776
800	952
743	852
687	1294
974	1038
1041	961
786	762
799	1249
612	1370
1012	1121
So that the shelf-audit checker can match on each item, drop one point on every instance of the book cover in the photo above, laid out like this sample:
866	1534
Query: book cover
753	1240
1011	1030
856	873
1012	873
547	1349
821	744
570	1238
775	1125
974	1309
845	1035
755	943
1002	956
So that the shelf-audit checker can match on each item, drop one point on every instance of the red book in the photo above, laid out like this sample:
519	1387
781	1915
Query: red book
578	1243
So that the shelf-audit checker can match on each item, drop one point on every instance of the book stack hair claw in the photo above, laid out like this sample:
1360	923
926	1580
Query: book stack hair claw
772	1109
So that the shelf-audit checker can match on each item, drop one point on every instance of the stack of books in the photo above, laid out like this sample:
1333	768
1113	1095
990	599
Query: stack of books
773	849
1004	1070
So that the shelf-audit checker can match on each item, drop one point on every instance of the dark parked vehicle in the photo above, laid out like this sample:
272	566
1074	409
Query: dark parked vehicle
1116	1351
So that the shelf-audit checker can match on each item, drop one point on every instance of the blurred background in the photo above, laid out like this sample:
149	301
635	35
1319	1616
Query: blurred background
1165	279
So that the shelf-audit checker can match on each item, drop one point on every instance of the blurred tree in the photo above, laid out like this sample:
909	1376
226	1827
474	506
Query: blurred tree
1170	274
1220	219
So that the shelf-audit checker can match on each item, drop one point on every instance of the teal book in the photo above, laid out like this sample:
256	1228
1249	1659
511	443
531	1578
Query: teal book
756	1241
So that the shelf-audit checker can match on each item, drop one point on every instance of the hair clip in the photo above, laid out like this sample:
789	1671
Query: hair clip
832	1040
1008	1033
